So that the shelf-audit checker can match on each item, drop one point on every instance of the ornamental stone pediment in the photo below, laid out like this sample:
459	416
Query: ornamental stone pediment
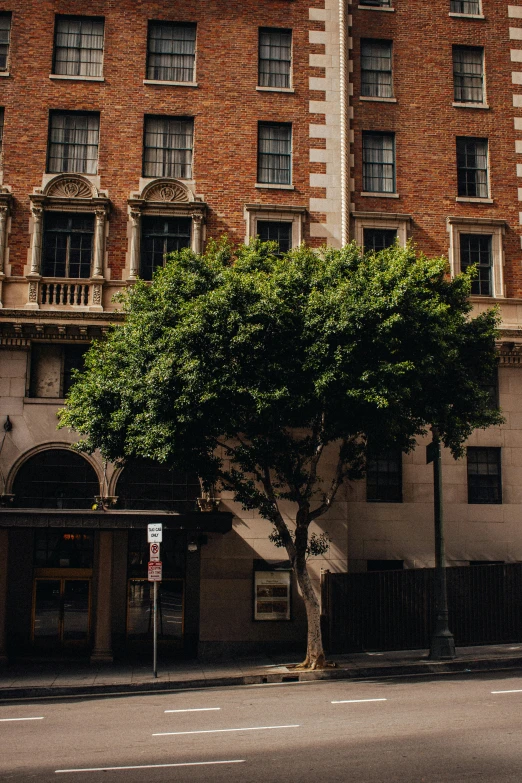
167	191
70	186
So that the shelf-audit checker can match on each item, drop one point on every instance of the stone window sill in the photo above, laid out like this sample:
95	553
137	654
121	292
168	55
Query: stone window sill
4	74
464	105
269	186
44	400
275	89
170	84
466	16
374	8
379	195
473	200
377	99
67	78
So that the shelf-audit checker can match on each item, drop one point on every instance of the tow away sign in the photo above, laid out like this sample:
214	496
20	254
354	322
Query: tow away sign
155	533
154	552
155	568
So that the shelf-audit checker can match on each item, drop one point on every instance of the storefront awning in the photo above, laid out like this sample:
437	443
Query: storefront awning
197	522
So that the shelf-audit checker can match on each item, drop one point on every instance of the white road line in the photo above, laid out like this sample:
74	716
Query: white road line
152	766
197	709
519	691
6	720
356	701
221	731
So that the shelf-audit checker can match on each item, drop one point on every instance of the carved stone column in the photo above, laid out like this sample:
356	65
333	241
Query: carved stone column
135	216
197	231
36	253
3	234
103	618
4	551
99	242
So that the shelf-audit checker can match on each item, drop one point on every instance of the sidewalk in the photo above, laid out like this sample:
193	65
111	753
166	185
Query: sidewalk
28	680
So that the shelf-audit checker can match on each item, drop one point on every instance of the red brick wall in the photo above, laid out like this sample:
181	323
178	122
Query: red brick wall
426	124
226	106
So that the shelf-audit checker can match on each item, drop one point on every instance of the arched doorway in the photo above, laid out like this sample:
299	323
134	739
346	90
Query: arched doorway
62	557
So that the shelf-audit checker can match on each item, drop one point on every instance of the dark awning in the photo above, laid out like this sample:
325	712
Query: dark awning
197	522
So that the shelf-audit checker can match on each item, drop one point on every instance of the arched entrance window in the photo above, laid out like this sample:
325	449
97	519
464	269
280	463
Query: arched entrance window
56	478
148	485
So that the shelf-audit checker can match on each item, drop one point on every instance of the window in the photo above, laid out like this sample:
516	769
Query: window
78	48
471	7
384	477
376	3
376	69
171	52
378	162
274	165
275	57
477	249
270	231
56	478
73	143
67	244
168	147
5	40
161	235
376	239
52	367
484	475
472	167
147	485
468	74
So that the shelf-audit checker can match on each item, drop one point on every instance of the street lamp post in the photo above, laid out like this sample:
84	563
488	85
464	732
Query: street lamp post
442	642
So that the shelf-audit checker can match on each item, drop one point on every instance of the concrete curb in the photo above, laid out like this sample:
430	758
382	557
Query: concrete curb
420	668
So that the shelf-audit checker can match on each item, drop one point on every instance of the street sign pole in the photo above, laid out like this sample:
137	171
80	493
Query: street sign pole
155	653
154	537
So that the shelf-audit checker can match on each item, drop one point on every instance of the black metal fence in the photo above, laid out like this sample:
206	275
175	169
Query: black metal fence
393	610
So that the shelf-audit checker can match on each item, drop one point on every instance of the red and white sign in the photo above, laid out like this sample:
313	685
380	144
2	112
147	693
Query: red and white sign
155	568
154	552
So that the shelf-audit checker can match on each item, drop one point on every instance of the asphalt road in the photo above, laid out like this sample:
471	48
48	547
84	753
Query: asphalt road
451	729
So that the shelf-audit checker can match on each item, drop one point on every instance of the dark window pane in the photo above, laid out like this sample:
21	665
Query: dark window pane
379	162
73	356
382	3
55	548
272	231
67	244
384	477
148	485
168	147
477	249
376	239
5	39
274	154
160	236
275	54
472	167
78	47
484	475
171	52
56	478
376	68
468	74
73	143
465	6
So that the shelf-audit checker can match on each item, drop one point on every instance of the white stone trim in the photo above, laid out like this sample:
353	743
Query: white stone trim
515	11
385	220
496	229
277	214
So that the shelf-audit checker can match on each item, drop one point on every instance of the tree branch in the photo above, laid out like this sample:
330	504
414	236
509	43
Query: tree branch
336	483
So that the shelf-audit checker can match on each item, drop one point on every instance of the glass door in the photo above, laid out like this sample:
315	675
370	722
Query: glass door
170	610
61	612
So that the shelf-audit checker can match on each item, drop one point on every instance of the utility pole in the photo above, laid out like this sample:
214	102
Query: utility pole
442	642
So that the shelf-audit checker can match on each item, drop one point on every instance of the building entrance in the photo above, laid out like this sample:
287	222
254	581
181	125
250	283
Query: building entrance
61	612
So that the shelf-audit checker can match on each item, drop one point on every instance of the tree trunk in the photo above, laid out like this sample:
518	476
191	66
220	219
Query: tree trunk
314	649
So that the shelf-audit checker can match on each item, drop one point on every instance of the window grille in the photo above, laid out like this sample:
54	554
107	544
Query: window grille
168	147
5	40
275	55
274	154
78	46
67	245
471	7
160	236
472	167
376	239
379	162
148	485
477	249
171	52
484	475
376	69
73	143
56	478
384	477
272	231
468	74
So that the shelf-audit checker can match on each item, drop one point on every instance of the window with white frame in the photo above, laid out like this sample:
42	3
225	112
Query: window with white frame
274	157
171	52
378	162
376	68
161	235
275	57
472	167
168	143
78	46
468	74
73	142
5	40
377	239
275	222
479	241
469	7
279	231
67	244
376	3
376	231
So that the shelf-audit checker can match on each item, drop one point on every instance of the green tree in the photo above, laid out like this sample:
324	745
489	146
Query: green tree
255	370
